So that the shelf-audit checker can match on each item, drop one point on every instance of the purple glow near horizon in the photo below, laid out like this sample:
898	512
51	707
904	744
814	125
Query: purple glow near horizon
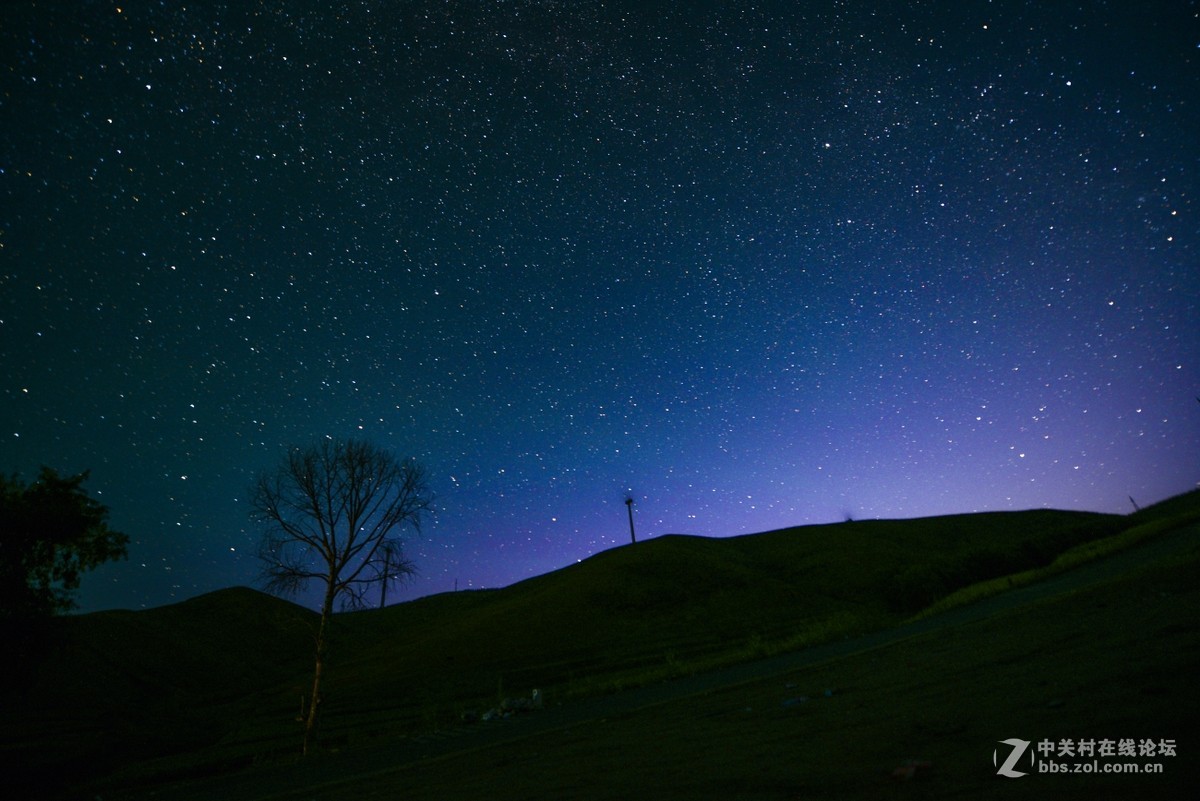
752	266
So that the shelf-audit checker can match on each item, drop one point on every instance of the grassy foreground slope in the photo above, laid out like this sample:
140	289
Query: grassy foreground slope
219	678
922	718
674	600
119	687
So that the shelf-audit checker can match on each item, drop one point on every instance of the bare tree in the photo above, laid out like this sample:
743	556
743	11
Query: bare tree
333	513
393	566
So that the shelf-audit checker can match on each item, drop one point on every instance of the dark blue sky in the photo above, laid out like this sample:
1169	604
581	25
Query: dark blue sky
757	264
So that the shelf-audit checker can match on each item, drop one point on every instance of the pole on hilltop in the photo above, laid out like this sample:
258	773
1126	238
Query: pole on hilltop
629	506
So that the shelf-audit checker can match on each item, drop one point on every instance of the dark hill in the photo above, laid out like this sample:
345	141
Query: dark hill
221	676
120	686
211	647
678	596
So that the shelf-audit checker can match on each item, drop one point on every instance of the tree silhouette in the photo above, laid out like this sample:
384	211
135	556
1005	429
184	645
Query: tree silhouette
51	533
333	513
393	566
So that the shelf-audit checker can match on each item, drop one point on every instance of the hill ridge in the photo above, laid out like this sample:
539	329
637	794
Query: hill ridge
230	666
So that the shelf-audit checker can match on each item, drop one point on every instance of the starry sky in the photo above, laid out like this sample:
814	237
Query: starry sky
752	264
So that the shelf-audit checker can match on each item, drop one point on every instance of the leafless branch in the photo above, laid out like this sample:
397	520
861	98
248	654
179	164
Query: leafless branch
334	512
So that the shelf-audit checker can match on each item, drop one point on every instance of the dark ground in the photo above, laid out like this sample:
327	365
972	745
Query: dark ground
1108	650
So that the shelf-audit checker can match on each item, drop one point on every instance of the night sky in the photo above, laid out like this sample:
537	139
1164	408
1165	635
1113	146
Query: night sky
753	264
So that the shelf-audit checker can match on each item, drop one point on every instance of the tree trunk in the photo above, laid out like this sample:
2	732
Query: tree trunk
310	724
387	566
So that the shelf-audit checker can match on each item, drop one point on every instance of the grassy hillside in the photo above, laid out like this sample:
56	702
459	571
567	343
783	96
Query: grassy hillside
676	598
220	677
118	687
920	718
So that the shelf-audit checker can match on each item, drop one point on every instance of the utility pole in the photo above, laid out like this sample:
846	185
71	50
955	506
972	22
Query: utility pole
629	506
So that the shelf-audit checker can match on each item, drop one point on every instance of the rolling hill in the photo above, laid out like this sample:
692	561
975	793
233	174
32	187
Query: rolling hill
215	682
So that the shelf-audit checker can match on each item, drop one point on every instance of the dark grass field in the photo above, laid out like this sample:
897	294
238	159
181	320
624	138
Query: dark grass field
919	719
213	685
